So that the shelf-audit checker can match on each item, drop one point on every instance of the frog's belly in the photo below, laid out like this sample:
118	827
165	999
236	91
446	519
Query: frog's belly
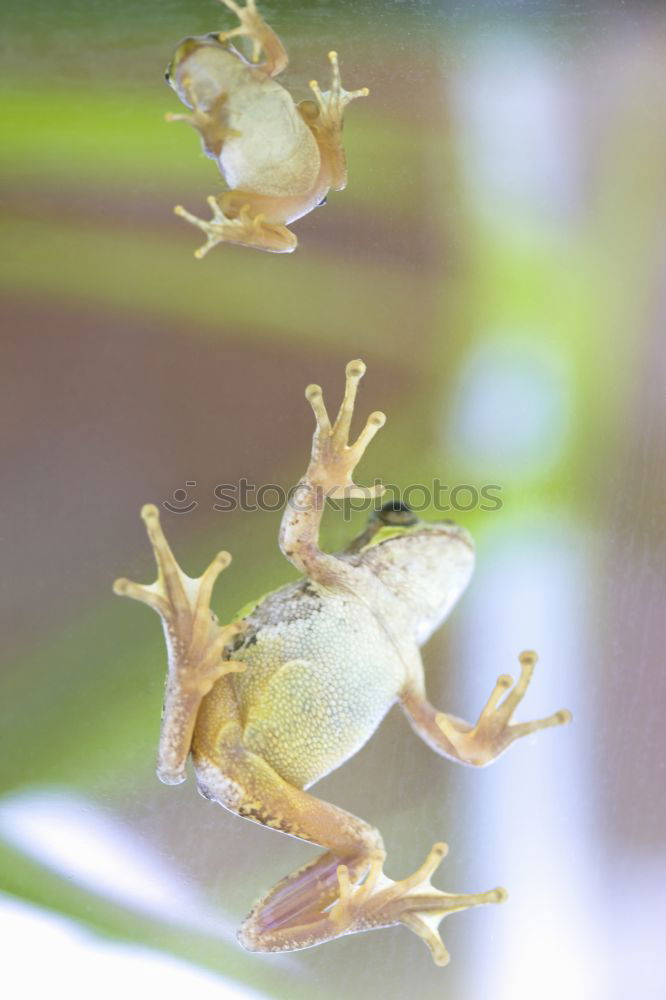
314	694
275	153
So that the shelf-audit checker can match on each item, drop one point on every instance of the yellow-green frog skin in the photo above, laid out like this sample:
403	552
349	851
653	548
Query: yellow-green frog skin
325	664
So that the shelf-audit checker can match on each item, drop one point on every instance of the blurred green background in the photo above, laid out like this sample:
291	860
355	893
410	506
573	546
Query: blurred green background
498	261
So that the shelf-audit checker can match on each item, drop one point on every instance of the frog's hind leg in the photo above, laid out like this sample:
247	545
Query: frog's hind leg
344	890
230	774
246	226
364	904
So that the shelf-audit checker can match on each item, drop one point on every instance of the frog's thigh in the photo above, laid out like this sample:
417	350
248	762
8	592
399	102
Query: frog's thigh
247	785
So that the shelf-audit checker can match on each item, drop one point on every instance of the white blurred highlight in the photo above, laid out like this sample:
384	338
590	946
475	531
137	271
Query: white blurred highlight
80	841
516	113
511	408
43	952
528	592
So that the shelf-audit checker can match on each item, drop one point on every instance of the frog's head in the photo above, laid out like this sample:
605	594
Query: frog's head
199	70
427	564
176	68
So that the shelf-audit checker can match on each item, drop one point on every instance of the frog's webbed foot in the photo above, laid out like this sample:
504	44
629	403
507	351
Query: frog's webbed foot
333	459
195	642
211	124
332	103
262	37
413	901
494	731
245	229
361	905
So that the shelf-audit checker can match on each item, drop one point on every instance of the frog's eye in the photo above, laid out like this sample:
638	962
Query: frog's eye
396	513
185	49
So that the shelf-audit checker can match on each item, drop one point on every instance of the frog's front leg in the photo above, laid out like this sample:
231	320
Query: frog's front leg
493	733
329	474
263	38
195	643
211	125
325	118
342	891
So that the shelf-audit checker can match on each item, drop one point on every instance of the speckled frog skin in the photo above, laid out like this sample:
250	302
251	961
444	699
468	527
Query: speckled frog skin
302	642
269	704
278	158
330	662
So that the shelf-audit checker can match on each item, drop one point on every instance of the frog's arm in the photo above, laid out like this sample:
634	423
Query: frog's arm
195	643
493	733
343	890
263	38
211	125
329	474
325	115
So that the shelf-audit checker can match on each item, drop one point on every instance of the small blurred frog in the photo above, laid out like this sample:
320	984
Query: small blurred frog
279	159
301	679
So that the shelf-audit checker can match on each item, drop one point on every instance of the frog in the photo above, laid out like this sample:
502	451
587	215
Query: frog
299	680
279	158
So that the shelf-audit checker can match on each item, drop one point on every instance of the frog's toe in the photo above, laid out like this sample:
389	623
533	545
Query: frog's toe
413	901
495	732
417	904
332	102
333	458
